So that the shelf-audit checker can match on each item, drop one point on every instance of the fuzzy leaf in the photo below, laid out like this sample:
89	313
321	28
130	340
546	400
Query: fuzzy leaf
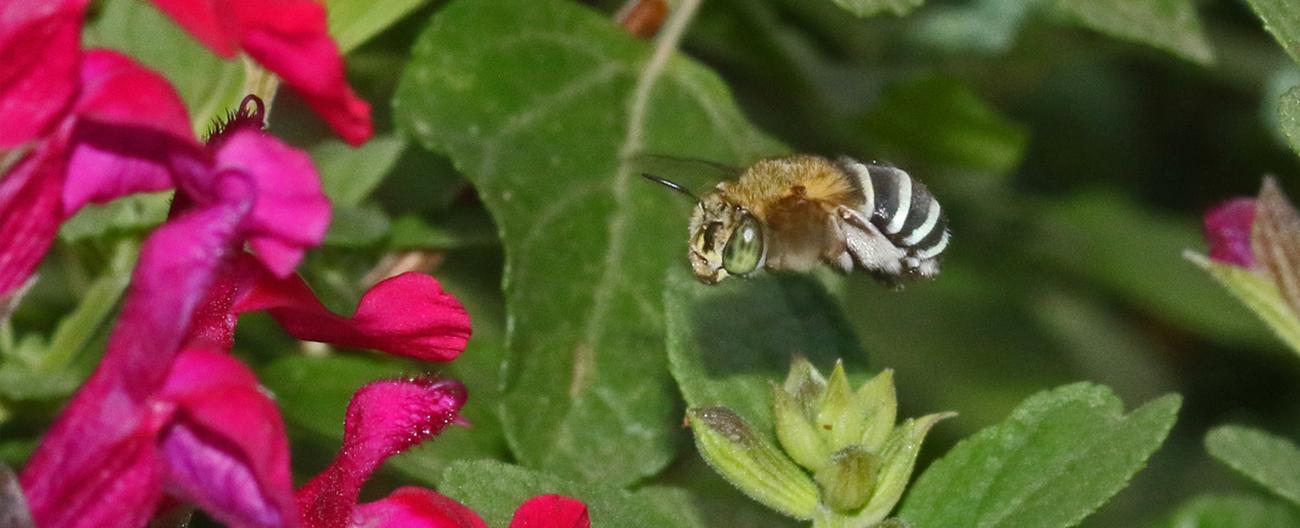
727	342
1212	511
866	8
1272	461
1282	20
494	490
1258	294
1171	25
541	104
1059	456
1289	117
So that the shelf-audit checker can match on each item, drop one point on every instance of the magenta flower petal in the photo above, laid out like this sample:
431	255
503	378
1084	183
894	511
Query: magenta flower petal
115	408
1227	229
39	55
408	315
288	37
291	213
384	418
122	492
551	511
29	214
130	125
226	450
411	507
210	21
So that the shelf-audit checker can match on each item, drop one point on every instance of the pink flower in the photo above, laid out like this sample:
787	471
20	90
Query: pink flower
289	38
168	414
39	60
1228	228
114	134
383	419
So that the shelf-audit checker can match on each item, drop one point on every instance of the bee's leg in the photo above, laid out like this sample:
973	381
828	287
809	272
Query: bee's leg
870	248
837	251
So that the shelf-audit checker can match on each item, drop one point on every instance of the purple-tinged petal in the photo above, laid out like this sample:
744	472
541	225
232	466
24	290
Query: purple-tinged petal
384	418
121	490
130	124
226	449
551	511
408	315
39	54
1227	229
29	213
292	212
411	507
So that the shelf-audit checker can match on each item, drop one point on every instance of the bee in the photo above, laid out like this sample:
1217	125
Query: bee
790	213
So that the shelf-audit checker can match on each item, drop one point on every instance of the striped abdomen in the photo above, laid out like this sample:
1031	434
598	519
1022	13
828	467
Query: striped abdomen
901	208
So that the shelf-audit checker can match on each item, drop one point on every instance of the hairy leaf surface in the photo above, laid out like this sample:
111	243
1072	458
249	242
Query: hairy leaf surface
1272	461
541	104
1059	456
494	490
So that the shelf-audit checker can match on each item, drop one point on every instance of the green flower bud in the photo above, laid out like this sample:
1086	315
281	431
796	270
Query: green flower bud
799	437
806	385
898	456
848	481
752	464
878	398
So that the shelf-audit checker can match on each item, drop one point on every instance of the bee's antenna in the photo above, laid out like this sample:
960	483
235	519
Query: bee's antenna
670	184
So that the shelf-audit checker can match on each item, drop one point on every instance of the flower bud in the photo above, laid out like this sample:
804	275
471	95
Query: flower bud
752	464
799	437
849	479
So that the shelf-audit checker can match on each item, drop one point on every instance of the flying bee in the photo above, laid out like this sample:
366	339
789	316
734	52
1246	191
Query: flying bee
793	212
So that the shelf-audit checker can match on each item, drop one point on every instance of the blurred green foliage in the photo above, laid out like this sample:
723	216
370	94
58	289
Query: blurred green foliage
1075	168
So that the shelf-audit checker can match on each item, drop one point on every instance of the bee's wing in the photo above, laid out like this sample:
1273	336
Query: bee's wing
695	175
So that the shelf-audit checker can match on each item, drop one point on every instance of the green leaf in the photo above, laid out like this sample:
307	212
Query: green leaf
1214	511
209	85
1271	461
982	26
129	215
1059	456
1170	25
353	22
727	342
1289	117
1146	271
494	490
941	120
866	8
36	370
356	226
1282	20
349	174
540	104
1257	293
460	227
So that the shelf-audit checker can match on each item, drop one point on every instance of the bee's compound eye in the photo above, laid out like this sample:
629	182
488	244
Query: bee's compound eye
745	247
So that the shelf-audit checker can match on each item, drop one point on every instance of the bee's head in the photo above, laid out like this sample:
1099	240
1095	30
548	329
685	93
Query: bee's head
725	240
